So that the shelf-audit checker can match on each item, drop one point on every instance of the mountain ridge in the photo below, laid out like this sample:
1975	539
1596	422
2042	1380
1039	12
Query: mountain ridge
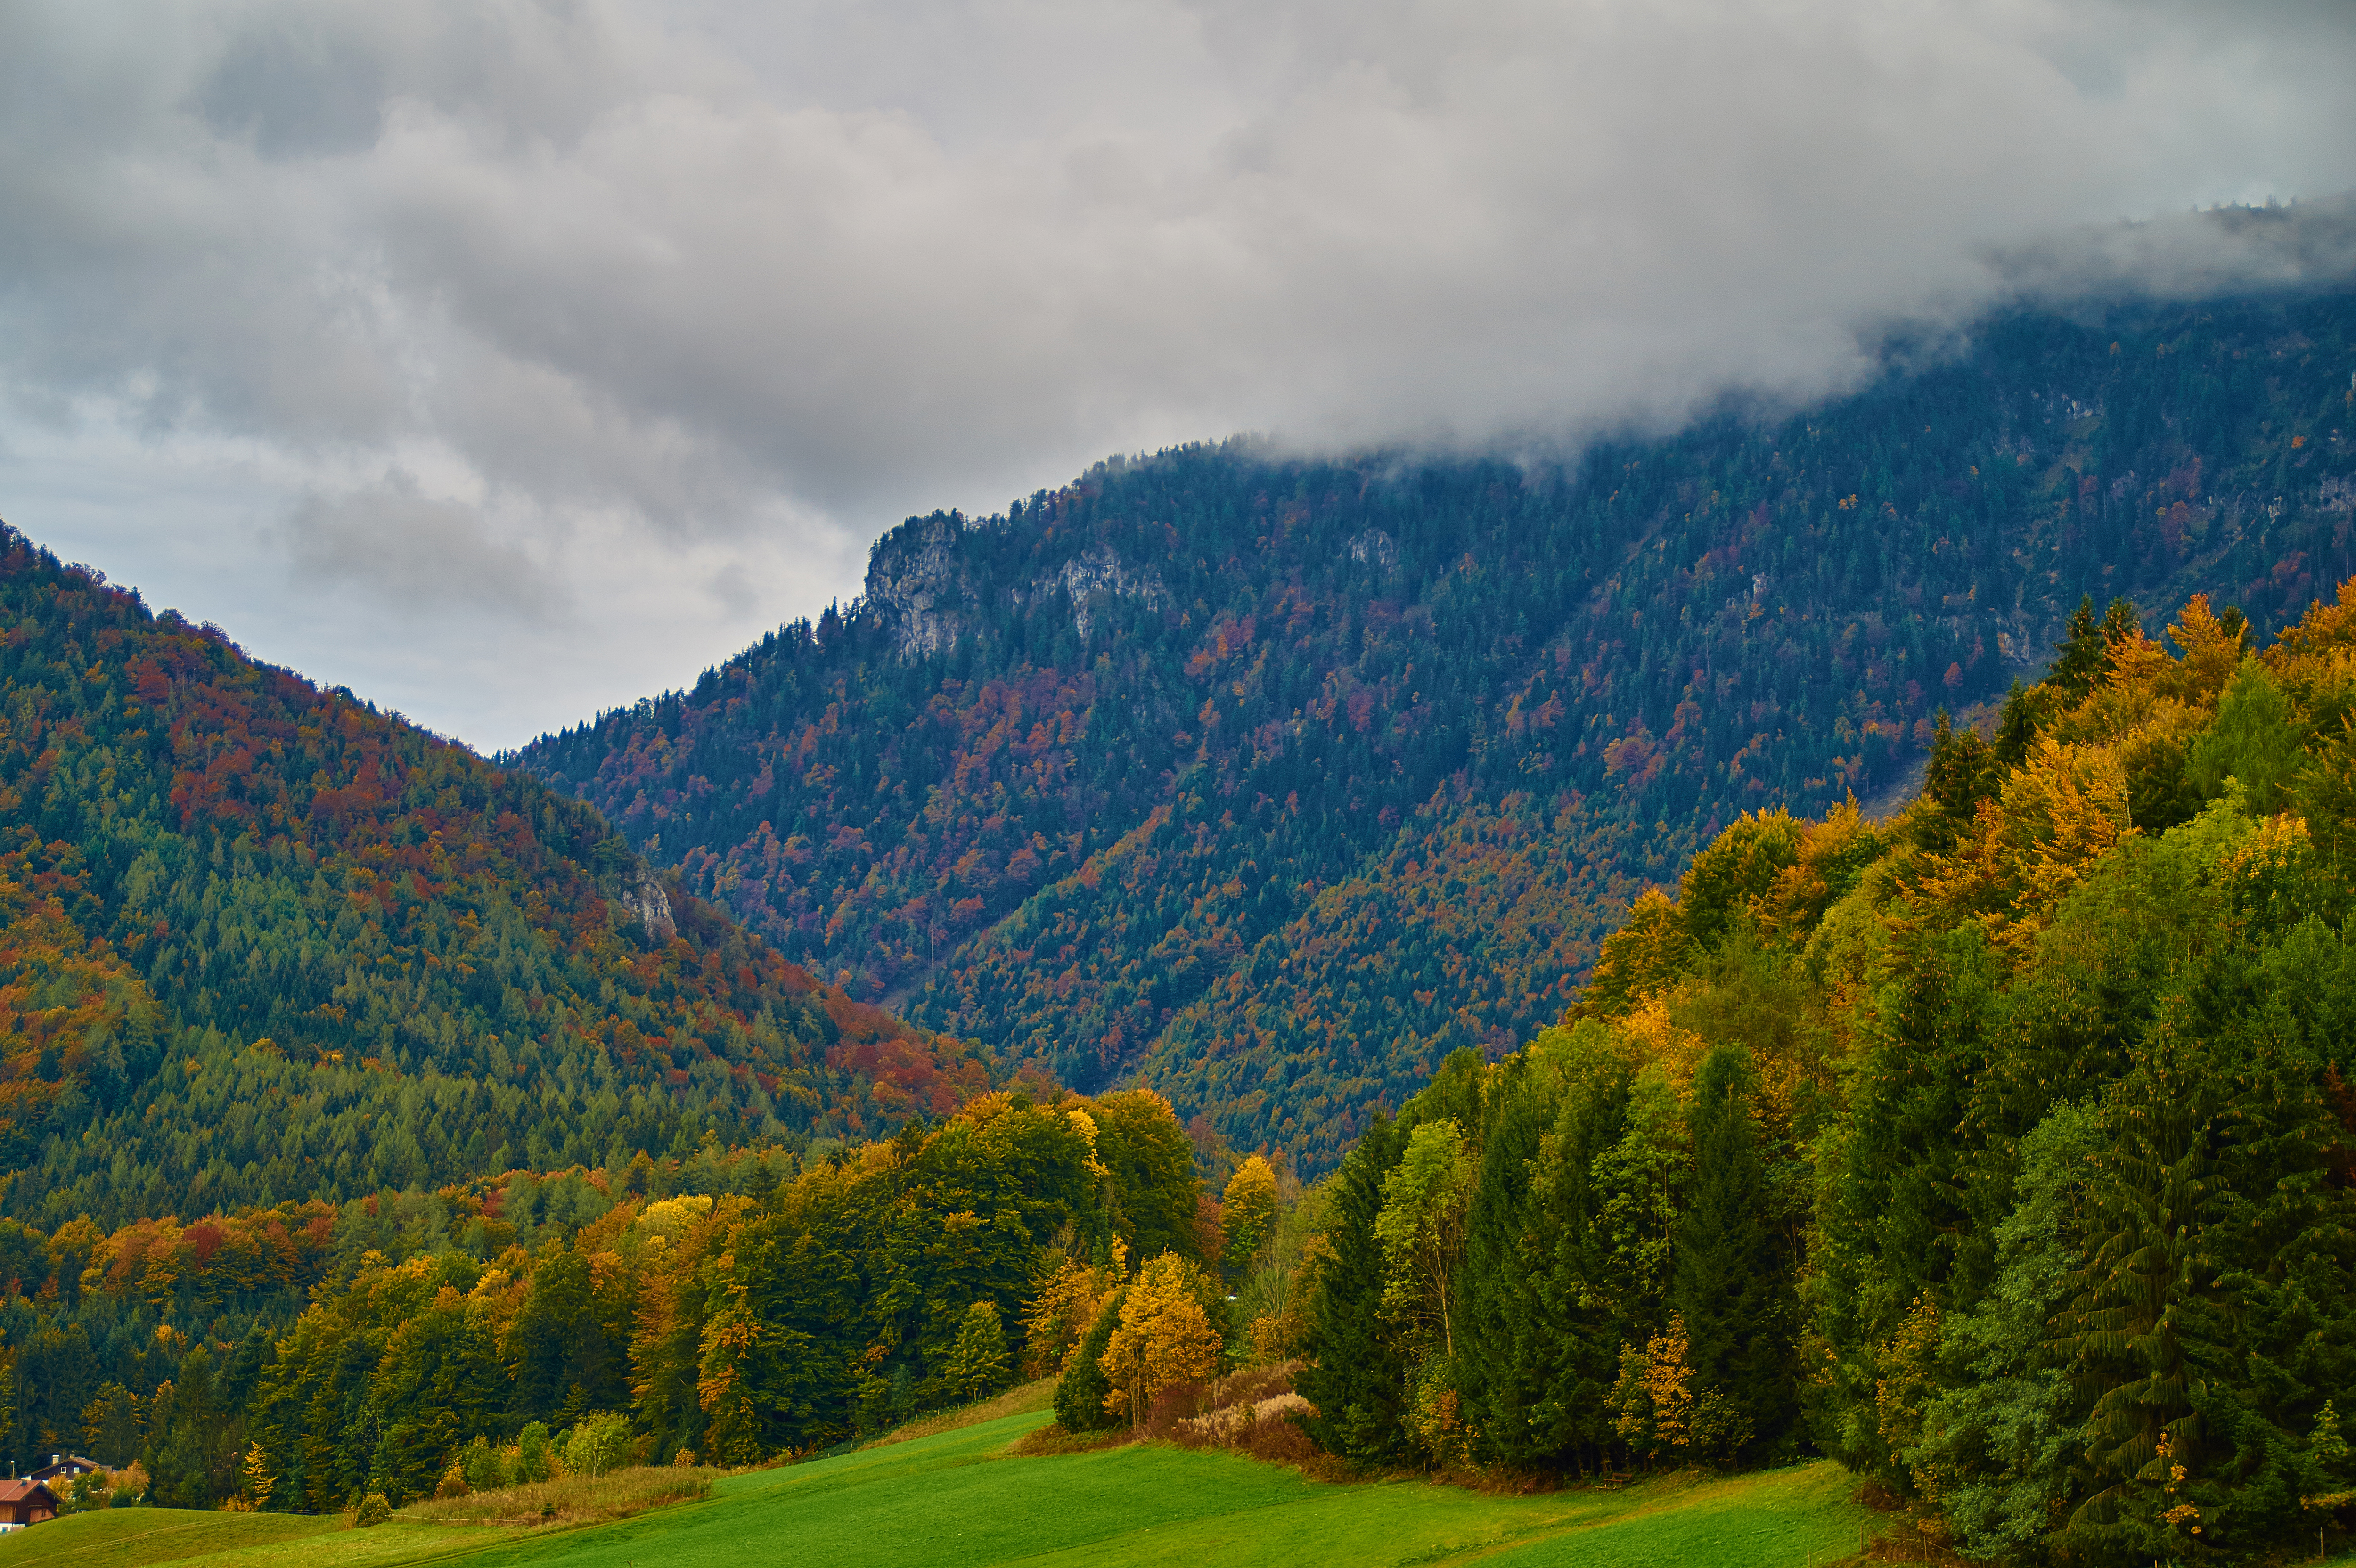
1060	774
259	940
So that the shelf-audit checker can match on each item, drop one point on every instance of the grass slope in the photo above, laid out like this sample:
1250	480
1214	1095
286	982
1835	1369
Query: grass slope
128	1538
132	1538
1024	1399
955	1500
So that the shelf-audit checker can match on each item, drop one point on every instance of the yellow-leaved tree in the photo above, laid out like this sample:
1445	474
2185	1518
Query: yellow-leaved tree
1164	1336
1248	1209
254	1483
1070	1297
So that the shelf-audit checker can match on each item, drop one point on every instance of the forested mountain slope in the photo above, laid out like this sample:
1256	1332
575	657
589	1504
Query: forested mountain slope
260	942
1270	780
2002	1150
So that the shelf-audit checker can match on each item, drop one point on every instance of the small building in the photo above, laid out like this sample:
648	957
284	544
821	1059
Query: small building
64	1467
25	1502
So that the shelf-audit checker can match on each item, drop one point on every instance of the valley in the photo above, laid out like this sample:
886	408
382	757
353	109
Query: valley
1396	936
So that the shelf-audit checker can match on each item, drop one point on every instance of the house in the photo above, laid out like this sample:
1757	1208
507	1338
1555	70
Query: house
25	1502
64	1467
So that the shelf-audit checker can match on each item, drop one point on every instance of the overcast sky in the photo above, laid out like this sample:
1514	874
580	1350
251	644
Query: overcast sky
506	361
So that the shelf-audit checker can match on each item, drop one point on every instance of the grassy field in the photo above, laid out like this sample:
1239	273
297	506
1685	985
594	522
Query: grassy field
953	1499
128	1538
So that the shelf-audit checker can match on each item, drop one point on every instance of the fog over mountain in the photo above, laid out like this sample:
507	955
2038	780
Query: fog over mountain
509	360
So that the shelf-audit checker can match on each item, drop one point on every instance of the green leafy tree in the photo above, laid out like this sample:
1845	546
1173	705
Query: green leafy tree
1420	1227
536	1458
980	1362
2254	739
597	1444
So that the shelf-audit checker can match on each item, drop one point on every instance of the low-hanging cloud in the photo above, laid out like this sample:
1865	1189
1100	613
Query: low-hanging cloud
588	336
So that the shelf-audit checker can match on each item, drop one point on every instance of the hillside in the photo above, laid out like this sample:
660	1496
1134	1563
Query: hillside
1269	781
261	942
2001	1150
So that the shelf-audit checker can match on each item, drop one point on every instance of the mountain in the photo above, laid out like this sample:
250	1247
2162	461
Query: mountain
1269	781
260	942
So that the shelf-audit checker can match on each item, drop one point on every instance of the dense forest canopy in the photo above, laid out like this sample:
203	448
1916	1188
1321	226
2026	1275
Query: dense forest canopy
737	1305
1271	781
2003	1149
260	943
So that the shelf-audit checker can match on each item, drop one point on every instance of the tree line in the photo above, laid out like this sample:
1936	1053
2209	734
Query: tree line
2002	1150
738	1305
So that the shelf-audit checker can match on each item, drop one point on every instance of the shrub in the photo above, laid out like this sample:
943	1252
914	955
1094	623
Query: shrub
534	1460
599	1444
374	1510
487	1468
1254	1412
572	1499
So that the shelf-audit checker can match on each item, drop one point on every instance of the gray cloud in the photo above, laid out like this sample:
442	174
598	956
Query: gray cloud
601	334
391	542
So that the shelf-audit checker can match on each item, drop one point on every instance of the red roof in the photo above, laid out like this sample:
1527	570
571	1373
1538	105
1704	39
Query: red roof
22	1490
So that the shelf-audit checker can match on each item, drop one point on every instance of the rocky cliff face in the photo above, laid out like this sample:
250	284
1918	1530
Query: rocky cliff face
1098	570
643	896
916	582
922	584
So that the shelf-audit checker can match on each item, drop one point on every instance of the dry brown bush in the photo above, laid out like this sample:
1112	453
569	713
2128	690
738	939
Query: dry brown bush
572	1500
1053	1439
1253	1411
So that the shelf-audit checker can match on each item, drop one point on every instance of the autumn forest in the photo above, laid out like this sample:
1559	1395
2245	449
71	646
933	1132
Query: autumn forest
1823	933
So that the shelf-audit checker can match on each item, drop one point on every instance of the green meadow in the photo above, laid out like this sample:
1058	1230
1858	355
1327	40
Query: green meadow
956	1499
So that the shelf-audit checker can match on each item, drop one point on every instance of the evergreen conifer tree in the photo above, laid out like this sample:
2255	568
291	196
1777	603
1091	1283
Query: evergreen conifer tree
1503	1334
1732	1283
1357	1376
1080	1392
2016	730
1579	1326
2078	663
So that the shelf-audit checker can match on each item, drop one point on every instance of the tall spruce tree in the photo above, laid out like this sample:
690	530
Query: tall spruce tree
2214	1318
2078	664
1580	1326
1502	1364
1357	1376
1733	1282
